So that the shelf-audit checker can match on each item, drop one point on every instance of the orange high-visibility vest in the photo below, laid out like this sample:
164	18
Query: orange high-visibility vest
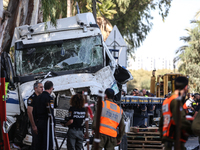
168	121
110	118
185	108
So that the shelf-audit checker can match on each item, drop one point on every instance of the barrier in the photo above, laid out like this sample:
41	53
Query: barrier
143	109
132	100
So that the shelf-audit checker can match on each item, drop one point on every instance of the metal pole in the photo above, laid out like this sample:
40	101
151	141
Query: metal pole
94	9
86	120
52	130
77	7
178	125
48	122
53	134
114	39
97	134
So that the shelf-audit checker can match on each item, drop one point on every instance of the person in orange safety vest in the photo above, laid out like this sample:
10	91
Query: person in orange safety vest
111	118
168	119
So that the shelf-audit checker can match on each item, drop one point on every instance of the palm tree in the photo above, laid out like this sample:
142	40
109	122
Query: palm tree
189	54
197	16
105	12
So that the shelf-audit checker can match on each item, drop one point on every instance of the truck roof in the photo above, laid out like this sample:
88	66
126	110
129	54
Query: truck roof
80	21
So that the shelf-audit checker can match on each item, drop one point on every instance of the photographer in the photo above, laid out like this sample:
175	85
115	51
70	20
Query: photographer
75	133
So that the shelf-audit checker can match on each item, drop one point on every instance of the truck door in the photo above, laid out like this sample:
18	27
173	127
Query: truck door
7	70
12	96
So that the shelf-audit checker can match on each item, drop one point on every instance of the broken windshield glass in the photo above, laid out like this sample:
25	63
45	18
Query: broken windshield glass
73	54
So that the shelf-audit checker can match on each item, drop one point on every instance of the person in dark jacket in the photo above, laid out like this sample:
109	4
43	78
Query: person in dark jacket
44	106
76	123
38	88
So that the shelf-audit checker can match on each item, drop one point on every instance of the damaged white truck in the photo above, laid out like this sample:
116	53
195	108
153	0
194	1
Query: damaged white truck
72	55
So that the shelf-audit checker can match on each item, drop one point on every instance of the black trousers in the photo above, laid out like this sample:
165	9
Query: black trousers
34	140
42	135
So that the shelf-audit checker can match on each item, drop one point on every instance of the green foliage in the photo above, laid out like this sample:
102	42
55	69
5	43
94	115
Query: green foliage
189	57
52	9
142	79
123	5
134	21
105	8
132	17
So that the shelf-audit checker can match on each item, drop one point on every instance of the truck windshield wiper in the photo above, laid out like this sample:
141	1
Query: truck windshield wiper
49	74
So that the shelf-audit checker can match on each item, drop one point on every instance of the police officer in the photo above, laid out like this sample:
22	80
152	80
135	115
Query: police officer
38	87
169	116
44	104
111	118
76	122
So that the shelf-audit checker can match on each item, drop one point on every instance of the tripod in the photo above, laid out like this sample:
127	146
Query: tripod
63	141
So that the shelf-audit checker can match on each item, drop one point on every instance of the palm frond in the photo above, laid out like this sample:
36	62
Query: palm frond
197	15
181	49
185	38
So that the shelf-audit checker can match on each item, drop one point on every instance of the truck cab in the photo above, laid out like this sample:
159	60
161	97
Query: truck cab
72	55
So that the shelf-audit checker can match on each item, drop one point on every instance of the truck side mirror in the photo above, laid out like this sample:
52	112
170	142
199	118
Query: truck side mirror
122	75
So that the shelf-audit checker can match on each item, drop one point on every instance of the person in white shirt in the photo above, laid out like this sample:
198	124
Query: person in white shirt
189	104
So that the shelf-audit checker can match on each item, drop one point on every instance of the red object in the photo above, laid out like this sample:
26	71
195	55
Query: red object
90	112
3	113
190	118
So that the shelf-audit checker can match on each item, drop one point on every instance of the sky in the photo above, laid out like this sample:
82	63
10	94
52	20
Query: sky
164	38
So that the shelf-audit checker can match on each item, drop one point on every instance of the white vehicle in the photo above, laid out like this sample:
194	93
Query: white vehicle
73	56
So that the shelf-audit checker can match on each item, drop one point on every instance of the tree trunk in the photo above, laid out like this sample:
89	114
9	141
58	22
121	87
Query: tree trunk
105	27
69	8
13	8
29	12
1	11
2	27
23	12
32	16
40	13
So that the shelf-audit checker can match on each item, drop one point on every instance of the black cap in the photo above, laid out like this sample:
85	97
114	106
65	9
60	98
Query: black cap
135	90
110	93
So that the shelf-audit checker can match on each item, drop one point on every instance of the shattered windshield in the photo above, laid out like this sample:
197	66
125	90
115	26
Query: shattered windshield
72	54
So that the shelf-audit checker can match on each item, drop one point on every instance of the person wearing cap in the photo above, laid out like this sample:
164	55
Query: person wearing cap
111	119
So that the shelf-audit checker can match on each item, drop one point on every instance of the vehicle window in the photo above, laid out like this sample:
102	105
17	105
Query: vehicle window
73	54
